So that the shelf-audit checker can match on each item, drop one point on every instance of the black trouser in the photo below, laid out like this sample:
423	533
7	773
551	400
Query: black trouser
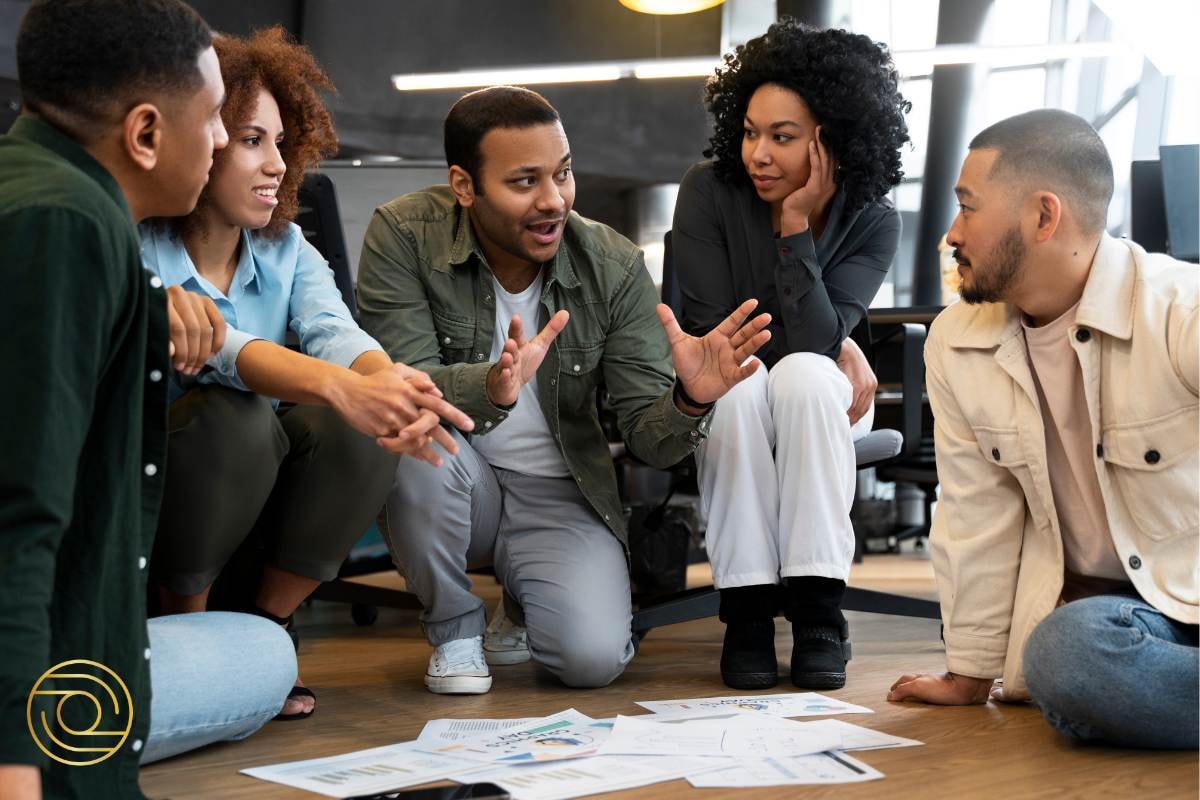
300	483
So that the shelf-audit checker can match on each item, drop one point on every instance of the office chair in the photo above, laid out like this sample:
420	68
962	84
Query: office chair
878	448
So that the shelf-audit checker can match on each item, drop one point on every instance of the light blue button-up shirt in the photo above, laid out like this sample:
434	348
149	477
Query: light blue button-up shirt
279	284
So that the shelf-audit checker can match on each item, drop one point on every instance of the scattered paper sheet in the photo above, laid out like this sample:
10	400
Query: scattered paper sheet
829	767
590	775
568	734
455	730
379	769
744	735
797	704
856	737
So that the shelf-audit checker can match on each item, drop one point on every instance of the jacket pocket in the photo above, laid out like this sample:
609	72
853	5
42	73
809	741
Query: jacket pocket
578	368
1001	446
1155	465
455	336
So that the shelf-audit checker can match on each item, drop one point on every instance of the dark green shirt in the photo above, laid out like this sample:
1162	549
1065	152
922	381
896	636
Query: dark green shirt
726	252
425	292
84	353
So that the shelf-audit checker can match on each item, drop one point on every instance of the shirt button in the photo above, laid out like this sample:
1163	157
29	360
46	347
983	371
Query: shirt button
606	518
1099	450
156	282
146	653
150	470
487	424
1153	456
446	340
155	375
137	745
1082	335
694	434
141	562
502	416
553	381
1135	562
576	368
479	356
996	453
785	250
787	291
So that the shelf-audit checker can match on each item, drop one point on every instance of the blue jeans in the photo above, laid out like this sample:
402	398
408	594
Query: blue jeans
1111	668
215	676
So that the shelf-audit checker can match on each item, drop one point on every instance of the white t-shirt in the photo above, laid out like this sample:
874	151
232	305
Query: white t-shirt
522	442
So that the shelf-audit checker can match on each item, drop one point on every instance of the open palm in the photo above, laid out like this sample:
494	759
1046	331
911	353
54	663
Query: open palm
711	365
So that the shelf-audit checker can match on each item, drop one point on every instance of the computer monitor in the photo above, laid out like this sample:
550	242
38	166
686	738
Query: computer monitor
1181	199
1165	209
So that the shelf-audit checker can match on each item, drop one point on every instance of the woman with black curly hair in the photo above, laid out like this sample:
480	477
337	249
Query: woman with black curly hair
791	210
299	485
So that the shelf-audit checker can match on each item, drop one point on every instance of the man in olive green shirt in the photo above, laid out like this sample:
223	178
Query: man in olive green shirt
121	119
450	280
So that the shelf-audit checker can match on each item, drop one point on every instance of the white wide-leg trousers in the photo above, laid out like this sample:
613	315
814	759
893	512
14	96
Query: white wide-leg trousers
776	475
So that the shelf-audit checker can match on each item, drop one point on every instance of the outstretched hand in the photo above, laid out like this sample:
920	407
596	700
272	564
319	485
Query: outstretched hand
521	358
711	365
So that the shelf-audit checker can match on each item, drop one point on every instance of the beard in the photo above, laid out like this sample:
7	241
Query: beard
1002	276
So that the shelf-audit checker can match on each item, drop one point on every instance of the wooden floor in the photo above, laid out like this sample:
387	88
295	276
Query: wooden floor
369	682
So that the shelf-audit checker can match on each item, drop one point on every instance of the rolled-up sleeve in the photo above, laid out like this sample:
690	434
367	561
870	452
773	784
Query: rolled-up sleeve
319	317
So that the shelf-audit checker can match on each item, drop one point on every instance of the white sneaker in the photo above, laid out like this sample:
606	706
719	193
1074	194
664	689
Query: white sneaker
458	667
505	642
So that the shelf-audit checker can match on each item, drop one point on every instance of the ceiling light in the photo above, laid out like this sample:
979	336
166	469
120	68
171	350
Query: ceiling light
670	6
908	62
562	73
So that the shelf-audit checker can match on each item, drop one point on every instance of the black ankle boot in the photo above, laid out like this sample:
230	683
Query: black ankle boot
748	654
820	636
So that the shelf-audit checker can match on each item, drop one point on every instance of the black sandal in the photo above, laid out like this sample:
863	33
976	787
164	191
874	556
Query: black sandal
298	691
289	626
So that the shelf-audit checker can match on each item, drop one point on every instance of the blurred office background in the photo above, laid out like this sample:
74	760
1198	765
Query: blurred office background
1126	66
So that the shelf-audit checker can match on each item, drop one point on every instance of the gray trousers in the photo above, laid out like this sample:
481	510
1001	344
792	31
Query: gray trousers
557	561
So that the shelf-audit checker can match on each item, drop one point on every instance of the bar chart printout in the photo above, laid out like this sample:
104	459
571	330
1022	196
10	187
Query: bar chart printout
367	771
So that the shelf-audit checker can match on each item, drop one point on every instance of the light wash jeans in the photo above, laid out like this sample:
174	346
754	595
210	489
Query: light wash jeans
215	676
1113	669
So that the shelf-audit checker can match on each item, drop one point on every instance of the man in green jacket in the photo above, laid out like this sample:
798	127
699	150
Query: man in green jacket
451	278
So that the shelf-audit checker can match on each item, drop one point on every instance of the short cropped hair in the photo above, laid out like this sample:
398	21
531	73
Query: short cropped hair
84	62
1058	151
483	110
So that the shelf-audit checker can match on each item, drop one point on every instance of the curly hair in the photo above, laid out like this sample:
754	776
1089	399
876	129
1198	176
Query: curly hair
848	82
269	60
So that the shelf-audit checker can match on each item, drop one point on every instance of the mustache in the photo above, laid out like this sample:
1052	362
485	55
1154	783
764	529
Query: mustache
544	221
960	258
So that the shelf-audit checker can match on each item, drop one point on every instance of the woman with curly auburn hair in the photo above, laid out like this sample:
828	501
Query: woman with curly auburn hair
790	210
298	485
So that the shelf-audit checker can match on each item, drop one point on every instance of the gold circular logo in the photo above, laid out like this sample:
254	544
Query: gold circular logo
79	718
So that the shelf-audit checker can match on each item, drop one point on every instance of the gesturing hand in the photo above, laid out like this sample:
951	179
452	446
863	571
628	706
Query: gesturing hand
520	358
947	689
709	367
815	194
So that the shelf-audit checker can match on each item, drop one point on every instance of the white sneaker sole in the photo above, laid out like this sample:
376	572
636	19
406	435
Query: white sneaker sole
505	658
458	684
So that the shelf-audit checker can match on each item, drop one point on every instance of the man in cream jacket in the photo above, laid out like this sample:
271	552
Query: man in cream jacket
1064	389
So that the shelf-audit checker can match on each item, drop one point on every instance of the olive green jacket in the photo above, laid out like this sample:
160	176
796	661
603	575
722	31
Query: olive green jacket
425	292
